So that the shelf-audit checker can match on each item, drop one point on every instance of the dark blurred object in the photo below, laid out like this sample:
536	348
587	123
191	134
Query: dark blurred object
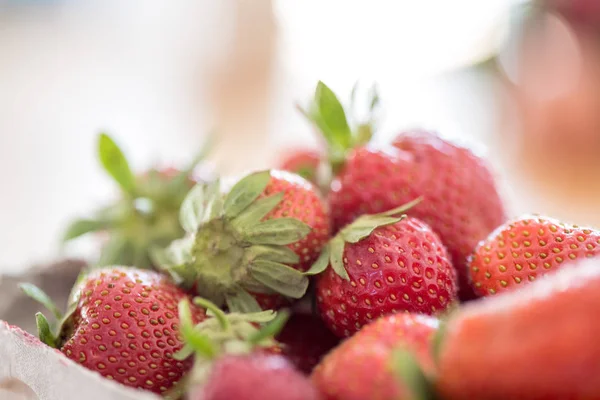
55	279
306	340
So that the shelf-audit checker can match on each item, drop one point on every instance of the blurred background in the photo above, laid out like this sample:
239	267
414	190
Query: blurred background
516	81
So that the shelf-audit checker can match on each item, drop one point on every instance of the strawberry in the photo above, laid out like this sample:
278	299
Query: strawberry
365	366
145	216
460	200
235	358
123	324
305	340
304	162
540	342
255	377
382	264
251	247
521	250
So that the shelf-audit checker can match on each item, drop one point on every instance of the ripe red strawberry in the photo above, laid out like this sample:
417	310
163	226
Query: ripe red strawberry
380	265
305	340
235	358
145	215
123	324
255	377
304	162
540	342
362	367
258	239
460	200
521	250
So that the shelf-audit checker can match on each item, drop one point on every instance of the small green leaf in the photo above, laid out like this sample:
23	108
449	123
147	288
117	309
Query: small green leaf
337	257
374	98
214	208
200	343
41	297
322	262
353	92
183	177
364	226
241	301
280	254
410	375
403	208
254	213
254	286
191	212
117	251
332	118
281	278
271	329
245	192
218	314
277	231
44	332
82	226
257	317
438	339
114	162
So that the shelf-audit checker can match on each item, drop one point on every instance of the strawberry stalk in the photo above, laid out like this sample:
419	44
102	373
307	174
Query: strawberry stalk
333	253
230	251
146	213
224	334
50	334
334	123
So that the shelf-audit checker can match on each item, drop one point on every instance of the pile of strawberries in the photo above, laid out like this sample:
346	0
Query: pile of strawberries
358	280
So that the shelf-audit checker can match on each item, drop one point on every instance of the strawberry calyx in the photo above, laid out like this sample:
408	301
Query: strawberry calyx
327	113
224	334
230	251
410	375
52	334
146	213
362	227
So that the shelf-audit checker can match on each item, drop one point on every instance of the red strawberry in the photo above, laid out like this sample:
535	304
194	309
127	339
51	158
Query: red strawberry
460	200
380	265
235	359
255	377
258	240
145	216
123	324
523	249
540	342
362	366
305	340
304	162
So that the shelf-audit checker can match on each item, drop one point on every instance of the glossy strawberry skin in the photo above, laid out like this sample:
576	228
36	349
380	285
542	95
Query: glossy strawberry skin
125	328
301	201
304	162
524	249
360	368
399	267
305	340
460	200
257	376
540	342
